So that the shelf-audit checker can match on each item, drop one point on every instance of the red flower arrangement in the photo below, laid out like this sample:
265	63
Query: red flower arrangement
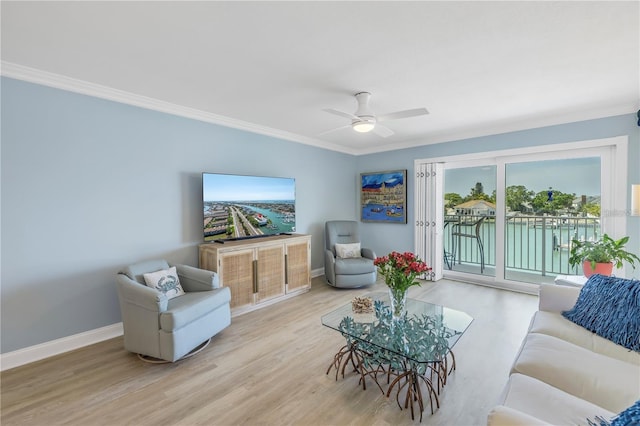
400	270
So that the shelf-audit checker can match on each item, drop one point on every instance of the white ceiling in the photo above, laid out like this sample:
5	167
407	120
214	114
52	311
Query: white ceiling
272	67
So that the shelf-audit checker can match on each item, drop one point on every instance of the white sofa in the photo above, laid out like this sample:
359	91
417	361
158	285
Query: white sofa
565	374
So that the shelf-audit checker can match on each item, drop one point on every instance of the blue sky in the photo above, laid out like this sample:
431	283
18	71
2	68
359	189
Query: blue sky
222	187
377	178
580	176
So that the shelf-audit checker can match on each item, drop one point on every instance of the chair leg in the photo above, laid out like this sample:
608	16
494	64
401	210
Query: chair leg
481	248
447	259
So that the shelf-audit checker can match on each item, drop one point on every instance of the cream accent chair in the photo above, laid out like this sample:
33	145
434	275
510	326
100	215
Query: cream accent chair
352	272
169	329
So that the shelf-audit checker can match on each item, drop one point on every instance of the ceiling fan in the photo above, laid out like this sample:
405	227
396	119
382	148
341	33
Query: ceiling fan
365	120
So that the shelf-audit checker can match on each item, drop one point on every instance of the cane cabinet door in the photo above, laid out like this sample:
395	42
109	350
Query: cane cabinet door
236	269
270	272
298	265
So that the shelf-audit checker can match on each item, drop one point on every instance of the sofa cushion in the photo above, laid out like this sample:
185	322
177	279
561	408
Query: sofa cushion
554	324
547	403
191	306
610	307
604	381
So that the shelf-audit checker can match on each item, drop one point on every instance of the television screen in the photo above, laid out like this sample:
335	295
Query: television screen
237	207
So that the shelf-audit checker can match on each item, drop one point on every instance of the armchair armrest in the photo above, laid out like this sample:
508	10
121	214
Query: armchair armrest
368	253
329	263
196	279
557	298
134	293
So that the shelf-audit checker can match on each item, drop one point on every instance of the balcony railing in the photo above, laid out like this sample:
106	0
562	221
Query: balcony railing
534	244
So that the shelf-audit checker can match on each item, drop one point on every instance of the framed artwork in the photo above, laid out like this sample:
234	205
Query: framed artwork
383	197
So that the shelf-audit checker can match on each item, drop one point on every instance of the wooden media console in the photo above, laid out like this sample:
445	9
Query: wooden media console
260	271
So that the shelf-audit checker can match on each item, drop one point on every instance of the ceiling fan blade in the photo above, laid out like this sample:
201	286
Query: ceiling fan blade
340	113
382	131
403	114
333	130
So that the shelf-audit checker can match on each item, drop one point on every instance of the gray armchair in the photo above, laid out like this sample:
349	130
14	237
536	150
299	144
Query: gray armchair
169	329
347	272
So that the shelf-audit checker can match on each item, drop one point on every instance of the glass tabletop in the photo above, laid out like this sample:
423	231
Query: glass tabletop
425	334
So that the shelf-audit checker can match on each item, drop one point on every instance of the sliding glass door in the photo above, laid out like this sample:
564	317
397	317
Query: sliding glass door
547	205
509	217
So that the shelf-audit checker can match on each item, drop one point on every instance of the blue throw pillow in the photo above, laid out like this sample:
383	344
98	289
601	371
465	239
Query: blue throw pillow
610	307
629	417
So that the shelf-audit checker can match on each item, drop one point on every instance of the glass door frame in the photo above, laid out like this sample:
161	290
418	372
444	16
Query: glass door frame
613	171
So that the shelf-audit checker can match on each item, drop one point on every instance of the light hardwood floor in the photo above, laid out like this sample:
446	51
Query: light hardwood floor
268	368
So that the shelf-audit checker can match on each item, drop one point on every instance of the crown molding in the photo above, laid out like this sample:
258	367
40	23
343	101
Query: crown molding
57	81
510	127
45	78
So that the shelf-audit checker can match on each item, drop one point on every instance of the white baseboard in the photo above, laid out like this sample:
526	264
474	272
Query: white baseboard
69	343
317	272
58	346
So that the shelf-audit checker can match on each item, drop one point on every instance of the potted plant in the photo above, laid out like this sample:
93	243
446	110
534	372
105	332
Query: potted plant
600	256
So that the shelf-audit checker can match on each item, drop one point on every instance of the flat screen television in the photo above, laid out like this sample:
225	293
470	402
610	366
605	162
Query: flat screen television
238	206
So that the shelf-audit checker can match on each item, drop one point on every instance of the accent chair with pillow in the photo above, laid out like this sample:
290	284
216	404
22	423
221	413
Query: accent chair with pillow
346	263
168	311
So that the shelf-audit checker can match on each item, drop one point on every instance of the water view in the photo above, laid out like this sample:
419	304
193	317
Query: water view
224	220
533	243
547	204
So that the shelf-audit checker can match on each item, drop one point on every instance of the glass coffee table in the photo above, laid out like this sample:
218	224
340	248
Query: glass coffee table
407	353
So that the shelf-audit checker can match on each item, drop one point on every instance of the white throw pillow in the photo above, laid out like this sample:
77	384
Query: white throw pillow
348	251
166	281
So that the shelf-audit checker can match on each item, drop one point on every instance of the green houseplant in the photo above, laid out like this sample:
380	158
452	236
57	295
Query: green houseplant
601	256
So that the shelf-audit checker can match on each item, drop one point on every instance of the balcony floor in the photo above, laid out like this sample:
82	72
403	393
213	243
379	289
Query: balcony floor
512	275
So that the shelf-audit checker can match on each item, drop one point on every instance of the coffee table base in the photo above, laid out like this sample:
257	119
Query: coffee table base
348	353
409	377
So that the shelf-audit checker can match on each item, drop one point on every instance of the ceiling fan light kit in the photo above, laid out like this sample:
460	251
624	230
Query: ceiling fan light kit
364	120
363	126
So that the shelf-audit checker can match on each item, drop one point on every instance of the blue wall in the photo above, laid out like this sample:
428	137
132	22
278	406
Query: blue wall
90	185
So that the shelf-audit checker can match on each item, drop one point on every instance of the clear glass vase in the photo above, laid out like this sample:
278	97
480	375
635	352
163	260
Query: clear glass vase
398	300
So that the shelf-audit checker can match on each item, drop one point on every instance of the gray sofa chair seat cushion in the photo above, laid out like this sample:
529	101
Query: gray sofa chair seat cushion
353	266
189	307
